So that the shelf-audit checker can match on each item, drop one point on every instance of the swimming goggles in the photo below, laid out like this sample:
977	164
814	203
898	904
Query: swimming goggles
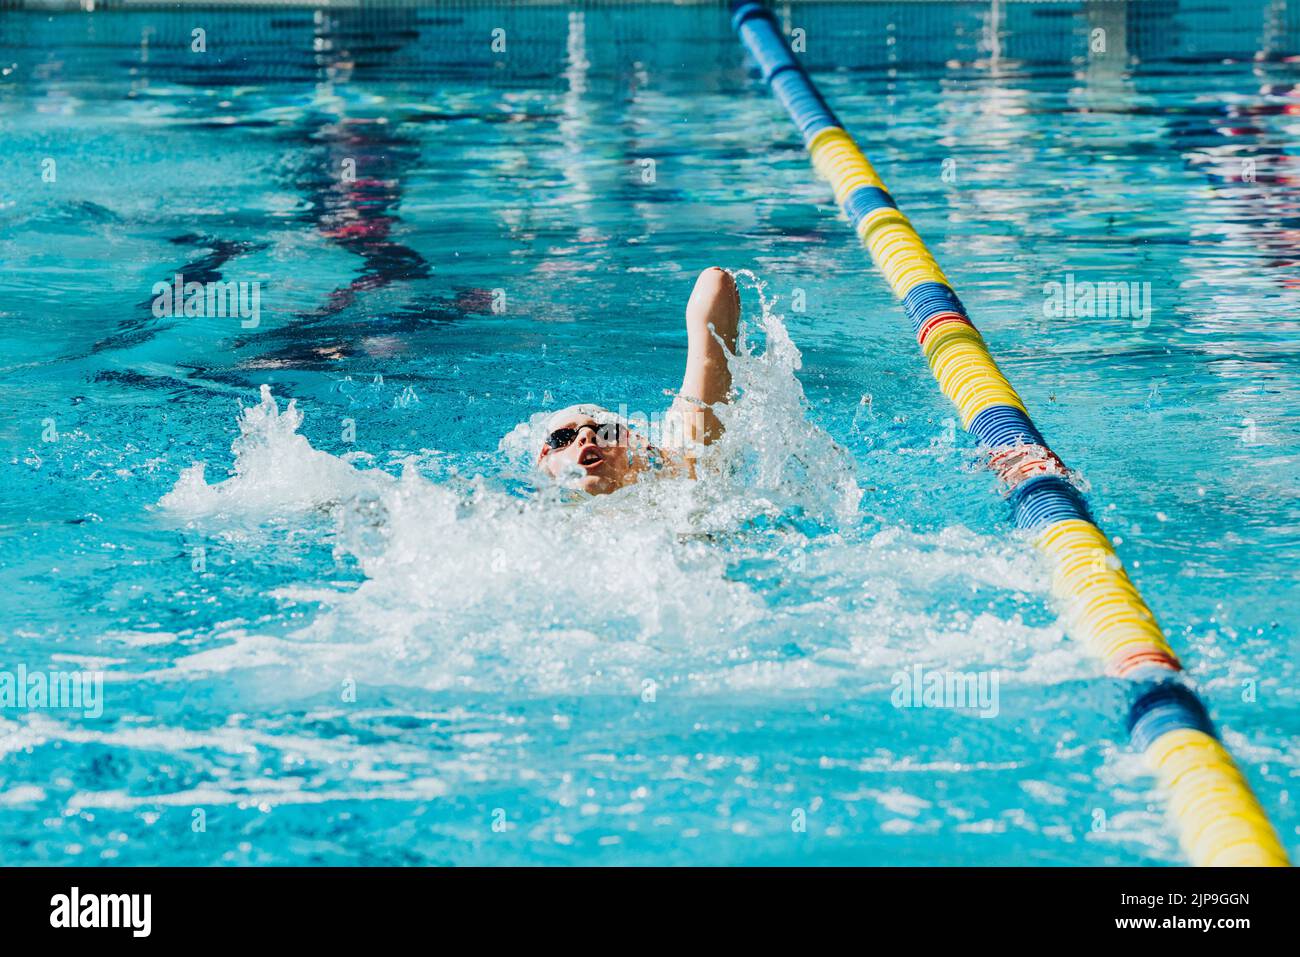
607	434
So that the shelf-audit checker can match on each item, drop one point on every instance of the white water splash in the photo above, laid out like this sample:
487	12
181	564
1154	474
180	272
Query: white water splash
276	470
668	581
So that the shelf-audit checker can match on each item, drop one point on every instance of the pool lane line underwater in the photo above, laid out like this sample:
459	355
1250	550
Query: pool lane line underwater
1219	820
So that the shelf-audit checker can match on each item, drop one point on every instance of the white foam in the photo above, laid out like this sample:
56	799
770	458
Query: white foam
276	470
22	794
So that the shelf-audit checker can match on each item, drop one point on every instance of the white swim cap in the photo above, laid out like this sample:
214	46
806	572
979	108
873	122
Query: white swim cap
564	416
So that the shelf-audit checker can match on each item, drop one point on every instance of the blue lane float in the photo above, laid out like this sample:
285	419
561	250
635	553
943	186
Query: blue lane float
1004	425
1038	502
1163	707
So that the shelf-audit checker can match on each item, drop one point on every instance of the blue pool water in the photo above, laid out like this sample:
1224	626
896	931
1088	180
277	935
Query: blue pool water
361	636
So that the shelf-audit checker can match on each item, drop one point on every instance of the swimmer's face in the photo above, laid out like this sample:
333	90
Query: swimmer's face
589	456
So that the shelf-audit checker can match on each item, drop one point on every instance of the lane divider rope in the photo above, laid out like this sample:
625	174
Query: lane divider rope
1220	822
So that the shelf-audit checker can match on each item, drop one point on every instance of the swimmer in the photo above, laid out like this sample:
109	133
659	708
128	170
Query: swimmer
587	447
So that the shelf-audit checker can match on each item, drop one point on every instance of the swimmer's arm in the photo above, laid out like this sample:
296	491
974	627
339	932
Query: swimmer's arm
714	308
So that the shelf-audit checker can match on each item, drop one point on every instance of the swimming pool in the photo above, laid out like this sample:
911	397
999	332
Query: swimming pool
374	643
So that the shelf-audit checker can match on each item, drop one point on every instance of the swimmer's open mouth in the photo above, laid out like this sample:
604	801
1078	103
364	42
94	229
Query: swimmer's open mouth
590	456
